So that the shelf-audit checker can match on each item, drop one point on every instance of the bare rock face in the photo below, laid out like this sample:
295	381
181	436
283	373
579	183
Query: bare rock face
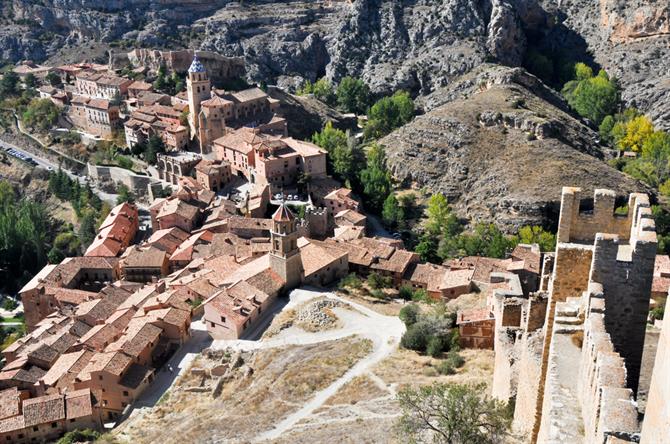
506	40
500	152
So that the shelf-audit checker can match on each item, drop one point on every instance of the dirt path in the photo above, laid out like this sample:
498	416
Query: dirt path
383	331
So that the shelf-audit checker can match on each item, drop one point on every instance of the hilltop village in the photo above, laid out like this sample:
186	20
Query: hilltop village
567	327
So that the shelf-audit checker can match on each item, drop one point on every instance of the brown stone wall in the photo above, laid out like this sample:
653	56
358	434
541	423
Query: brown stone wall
572	266
656	425
529	368
477	334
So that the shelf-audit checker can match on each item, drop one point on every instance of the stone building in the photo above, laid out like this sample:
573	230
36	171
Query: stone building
95	116
570	354
285	256
101	85
213	175
172	166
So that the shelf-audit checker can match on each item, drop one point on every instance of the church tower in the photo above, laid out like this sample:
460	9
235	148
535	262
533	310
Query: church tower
198	89
285	257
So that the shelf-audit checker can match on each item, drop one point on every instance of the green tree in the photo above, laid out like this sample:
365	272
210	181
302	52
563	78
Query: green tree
87	228
592	97
155	146
353	95
391	212
125	195
388	114
375	179
537	235
452	414
30	80
41	114
53	79
539	64
9	84
330	138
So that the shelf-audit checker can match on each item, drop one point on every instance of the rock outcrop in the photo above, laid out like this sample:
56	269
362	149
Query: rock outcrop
500	152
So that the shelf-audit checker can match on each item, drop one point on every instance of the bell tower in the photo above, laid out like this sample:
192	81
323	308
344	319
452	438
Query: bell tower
198	89
285	257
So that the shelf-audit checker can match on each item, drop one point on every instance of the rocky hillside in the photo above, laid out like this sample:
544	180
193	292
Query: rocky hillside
420	45
500	151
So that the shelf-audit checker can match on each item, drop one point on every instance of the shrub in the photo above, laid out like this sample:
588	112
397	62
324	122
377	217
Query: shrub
416	337
406	292
351	281
409	314
445	368
658	312
420	295
84	435
435	346
378	294
376	281
454	359
9	304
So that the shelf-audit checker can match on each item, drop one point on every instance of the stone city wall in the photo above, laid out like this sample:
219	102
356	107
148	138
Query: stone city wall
607	405
136	183
576	226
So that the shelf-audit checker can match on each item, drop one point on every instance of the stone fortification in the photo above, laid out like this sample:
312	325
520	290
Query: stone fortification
578	350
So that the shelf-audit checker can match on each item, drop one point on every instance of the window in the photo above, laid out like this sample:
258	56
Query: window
223	319
104	402
34	428
100	377
53	425
71	419
125	393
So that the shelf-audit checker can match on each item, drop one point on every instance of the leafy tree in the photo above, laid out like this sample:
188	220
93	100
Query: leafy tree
636	132
593	97
388	114
87	228
409	314
155	145
353	95
643	170
377	281
323	91
330	138
427	248
9	84
376	179
406	292
452	414
30	80
605	129
53	79
537	235
41	114
75	436
56	256
391	212
125	195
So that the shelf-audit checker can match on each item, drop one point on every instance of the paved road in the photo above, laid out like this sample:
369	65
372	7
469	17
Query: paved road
51	165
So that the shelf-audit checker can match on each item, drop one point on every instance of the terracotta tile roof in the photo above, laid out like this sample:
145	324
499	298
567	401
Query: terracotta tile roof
113	362
29	375
473	315
97	309
267	281
316	255
351	216
202	286
482	266
398	262
238	301
660	284
349	233
185	251
10	402
283	214
100	336
456	278
140	85
70	295
248	95
168	239
70	267
178	207
12	424
138	336
66	363
238	222
529	257
427	274
143	257
78	404
43	409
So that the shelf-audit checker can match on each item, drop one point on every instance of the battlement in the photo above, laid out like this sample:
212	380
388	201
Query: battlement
581	219
607	404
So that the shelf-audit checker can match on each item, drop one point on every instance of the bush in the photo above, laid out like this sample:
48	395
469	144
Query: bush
658	312
435	346
406	292
388	114
9	304
416	337
41	114
420	295
376	281
593	97
353	95
351	281
378	294
455	359
409	314
445	368
74	436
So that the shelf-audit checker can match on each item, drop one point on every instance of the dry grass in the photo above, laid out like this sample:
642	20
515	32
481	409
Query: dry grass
406	367
282	380
385	307
361	388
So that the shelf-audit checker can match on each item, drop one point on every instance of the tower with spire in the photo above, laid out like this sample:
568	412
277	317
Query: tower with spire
198	89
285	257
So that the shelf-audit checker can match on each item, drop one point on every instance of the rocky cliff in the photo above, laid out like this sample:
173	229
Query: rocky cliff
419	45
500	151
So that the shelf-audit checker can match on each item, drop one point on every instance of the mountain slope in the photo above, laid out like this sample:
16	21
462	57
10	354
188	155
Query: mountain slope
501	152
